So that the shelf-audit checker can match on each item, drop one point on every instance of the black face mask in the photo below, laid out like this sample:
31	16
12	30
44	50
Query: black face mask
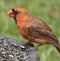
15	13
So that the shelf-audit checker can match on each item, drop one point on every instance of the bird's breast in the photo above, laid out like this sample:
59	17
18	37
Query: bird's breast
22	29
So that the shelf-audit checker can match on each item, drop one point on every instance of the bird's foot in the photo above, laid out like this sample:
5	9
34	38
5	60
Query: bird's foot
29	46
33	48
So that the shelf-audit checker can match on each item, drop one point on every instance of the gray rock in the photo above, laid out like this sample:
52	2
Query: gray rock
12	50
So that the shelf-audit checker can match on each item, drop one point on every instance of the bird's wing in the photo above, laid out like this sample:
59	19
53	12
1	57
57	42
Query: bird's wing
37	28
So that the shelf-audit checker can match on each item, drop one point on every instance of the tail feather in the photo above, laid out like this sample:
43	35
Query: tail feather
58	49
56	44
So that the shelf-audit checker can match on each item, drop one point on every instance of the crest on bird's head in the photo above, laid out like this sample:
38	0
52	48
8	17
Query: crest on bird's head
15	11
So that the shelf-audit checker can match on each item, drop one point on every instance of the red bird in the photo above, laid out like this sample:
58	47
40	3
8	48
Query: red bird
32	28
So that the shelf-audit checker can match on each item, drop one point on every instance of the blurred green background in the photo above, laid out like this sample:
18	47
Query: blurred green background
48	10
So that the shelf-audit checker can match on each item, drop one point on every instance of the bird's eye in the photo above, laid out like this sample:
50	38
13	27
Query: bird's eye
15	12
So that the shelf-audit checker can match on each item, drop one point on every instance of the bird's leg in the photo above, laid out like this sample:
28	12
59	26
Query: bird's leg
29	45
36	47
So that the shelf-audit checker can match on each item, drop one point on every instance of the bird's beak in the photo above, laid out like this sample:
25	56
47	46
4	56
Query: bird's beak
10	14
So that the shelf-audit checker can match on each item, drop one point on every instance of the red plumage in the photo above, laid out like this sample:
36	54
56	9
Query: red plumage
32	28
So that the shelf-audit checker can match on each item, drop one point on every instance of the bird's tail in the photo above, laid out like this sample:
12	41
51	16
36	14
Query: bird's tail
58	47
56	44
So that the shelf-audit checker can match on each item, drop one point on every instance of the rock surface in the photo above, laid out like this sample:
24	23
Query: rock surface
12	50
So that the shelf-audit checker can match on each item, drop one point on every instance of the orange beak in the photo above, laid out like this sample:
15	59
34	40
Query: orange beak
10	14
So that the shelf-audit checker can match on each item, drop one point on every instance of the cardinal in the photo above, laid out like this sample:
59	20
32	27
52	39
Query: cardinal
32	28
